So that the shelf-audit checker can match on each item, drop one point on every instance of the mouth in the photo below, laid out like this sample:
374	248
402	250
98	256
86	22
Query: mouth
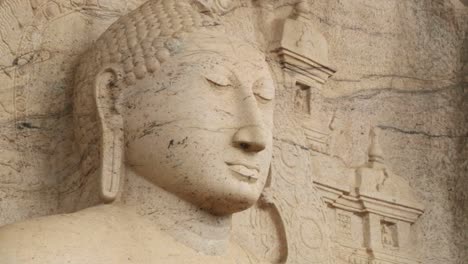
244	172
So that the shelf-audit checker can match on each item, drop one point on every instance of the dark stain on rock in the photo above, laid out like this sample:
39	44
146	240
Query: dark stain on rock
26	125
171	143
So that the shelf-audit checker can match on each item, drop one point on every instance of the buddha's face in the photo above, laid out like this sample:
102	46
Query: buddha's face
201	127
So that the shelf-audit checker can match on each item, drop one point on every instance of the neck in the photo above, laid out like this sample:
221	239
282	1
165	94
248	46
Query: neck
185	222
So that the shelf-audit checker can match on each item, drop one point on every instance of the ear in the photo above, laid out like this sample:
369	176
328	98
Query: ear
107	92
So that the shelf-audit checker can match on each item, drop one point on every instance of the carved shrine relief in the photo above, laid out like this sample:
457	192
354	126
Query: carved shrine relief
303	54
384	207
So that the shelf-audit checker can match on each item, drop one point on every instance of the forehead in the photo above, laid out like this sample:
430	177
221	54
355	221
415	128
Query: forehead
224	48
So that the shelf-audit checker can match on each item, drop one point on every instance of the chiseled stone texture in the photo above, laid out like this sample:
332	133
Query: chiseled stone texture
402	69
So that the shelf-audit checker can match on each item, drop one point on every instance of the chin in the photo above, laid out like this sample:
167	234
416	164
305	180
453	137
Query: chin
231	204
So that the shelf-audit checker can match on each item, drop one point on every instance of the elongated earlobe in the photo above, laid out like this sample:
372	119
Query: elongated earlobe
107	93
267	196
111	166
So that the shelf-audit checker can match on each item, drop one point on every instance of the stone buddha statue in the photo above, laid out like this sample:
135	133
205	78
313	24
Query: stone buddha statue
173	116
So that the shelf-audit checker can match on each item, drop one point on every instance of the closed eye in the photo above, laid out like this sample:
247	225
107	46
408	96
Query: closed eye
218	79
261	99
264	90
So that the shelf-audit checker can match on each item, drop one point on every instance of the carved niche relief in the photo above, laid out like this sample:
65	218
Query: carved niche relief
302	99
389	234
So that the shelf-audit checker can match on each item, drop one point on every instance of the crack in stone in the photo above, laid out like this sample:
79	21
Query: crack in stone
370	93
290	142
219	130
422	133
378	76
3	164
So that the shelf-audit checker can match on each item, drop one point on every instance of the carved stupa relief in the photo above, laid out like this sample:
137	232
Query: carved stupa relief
373	216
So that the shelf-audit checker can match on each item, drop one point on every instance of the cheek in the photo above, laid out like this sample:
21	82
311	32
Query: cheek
267	111
148	149
266	161
176	150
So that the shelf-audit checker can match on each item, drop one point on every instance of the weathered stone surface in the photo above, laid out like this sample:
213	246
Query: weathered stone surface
401	69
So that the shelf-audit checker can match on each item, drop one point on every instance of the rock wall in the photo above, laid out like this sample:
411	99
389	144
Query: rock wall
402	68
40	44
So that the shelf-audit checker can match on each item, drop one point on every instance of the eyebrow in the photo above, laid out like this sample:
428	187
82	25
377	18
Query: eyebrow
211	52
188	54
198	52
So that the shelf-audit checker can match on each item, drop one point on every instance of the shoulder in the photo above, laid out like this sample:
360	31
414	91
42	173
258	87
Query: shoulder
30	241
54	239
102	234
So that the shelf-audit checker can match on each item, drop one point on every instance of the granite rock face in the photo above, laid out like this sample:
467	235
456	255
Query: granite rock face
401	71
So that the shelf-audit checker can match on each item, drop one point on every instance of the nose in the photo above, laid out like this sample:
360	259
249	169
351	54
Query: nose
250	138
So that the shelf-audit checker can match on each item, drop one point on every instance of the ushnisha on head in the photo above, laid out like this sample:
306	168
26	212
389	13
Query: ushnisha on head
167	93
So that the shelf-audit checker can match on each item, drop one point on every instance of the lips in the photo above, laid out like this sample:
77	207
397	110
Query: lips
244	172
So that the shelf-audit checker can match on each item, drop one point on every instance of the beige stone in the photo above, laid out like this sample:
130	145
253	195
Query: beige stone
367	145
169	103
